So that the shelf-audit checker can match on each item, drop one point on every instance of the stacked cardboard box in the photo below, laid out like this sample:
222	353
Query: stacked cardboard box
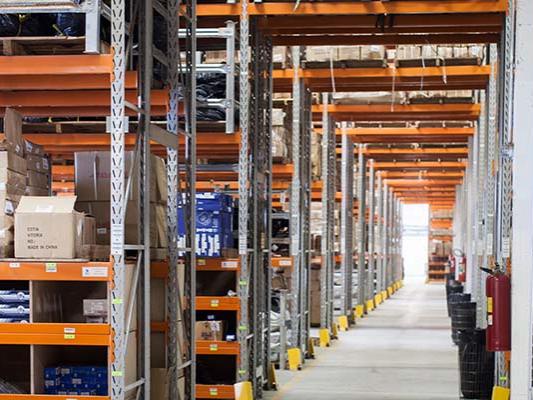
315	296
38	177
93	186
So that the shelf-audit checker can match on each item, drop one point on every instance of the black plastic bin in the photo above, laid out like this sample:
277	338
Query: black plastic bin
476	365
463	317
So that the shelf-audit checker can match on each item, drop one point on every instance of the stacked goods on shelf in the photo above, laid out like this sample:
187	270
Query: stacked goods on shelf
76	381
24	170
344	56
440	243
14	306
280	136
93	183
214	225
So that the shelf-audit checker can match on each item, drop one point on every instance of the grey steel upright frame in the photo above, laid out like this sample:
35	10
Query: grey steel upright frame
371	287
504	202
361	226
385	237
328	199
522	206
295	216
379	234
347	242
300	208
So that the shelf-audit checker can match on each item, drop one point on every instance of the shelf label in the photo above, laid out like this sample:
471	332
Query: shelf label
201	261
230	264
69	336
213	392
14	265
69	330
95	272
285	263
50	267
213	347
215	303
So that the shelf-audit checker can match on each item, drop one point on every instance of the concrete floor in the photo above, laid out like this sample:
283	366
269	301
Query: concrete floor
401	351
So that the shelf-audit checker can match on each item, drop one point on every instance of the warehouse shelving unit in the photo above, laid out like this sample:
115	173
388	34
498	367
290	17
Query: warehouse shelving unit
107	73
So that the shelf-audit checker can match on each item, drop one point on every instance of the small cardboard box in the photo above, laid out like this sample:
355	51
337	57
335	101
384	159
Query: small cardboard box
210	330
47	228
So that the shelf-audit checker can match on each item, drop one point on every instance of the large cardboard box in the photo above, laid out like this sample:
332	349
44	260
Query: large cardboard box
93	176
47	228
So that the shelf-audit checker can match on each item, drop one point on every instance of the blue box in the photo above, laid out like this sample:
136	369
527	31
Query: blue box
212	201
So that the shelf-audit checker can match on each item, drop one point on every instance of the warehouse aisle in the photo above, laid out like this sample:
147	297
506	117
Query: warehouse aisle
401	351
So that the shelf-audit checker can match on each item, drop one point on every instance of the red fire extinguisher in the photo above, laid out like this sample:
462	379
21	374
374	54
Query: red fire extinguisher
498	290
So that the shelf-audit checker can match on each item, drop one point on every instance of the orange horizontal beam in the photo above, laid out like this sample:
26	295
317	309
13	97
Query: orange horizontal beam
411	112
421	165
356	8
408	135
381	39
63	82
421	174
54	271
421	182
101	64
366	23
373	79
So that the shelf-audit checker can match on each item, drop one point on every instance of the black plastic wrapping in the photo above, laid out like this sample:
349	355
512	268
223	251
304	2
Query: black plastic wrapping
476	365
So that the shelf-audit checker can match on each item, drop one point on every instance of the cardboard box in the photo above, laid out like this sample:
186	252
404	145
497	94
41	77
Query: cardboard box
33	148
14	140
93	176
13	162
210	330
37	191
47	228
89	230
37	179
95	308
101	210
38	163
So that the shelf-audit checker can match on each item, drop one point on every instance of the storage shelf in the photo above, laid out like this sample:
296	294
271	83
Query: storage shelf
56	334
213	348
18	270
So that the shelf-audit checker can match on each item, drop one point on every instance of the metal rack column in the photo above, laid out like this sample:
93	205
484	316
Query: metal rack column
522	211
379	235
347	243
361	227
371	231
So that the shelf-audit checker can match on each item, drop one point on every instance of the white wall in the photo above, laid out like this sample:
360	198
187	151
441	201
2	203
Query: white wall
415	239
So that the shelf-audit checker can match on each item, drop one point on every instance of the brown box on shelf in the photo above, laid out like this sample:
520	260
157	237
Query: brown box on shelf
48	227
34	149
38	163
12	162
13	140
38	179
93	177
101	210
37	191
210	330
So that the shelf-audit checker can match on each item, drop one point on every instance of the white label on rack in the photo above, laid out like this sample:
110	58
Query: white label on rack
94	272
14	265
69	330
490	238
229	264
506	247
50	267
285	263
